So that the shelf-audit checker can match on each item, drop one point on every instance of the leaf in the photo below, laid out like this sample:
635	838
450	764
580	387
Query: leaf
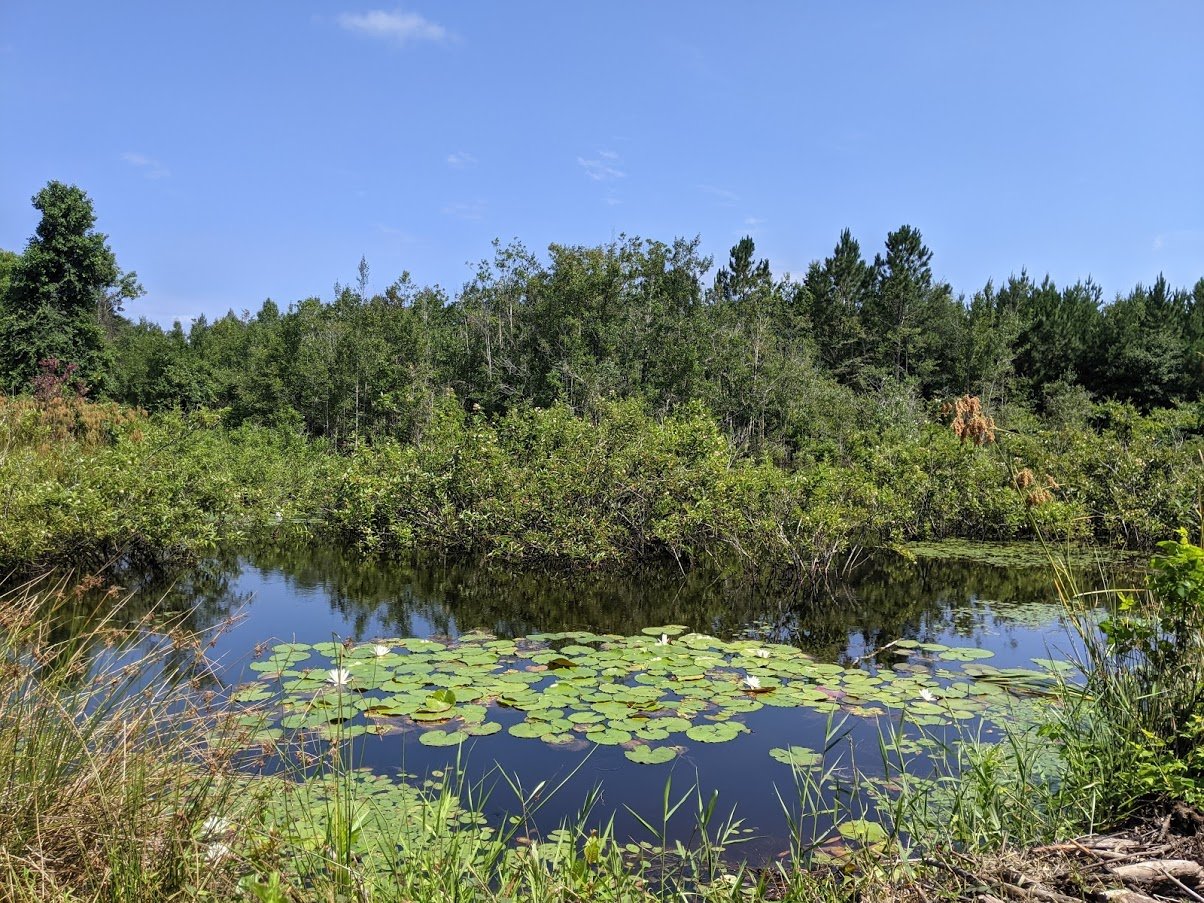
863	831
796	756
443	738
651	755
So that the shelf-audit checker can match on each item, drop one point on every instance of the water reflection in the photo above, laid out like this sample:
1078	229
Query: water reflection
319	590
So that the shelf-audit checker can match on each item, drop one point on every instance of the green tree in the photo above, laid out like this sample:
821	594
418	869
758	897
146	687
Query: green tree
8	262
744	275
755	357
1140	351
1056	329
59	291
913	324
993	324
1193	341
833	295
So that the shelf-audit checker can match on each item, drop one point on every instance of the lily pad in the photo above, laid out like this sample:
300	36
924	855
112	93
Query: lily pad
797	756
443	738
651	755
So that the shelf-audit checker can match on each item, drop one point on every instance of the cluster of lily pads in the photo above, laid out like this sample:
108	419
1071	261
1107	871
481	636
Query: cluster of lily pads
649	693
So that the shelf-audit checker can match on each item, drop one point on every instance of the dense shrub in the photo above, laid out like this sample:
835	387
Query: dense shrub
80	481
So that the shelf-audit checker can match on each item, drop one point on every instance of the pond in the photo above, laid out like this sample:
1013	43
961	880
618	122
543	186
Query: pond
710	682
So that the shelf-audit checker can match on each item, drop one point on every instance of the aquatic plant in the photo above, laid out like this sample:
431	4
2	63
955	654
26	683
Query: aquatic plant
637	692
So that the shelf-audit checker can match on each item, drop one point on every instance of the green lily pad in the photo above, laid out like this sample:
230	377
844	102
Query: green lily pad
667	629
651	755
796	756
610	737
443	738
720	732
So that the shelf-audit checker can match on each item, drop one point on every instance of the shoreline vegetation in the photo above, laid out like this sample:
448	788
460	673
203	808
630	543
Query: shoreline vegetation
620	403
81	482
122	784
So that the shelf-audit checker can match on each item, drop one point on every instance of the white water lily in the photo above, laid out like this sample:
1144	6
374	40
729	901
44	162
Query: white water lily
338	676
214	825
927	695
761	653
752	683
664	640
380	651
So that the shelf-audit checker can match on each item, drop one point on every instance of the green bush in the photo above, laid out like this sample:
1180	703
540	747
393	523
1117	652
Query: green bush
1136	732
79	485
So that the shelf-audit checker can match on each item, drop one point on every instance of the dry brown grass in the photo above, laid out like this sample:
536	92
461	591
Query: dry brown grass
108	765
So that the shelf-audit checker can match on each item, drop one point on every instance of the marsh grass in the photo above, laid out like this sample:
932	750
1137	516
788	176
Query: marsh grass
1133	733
109	768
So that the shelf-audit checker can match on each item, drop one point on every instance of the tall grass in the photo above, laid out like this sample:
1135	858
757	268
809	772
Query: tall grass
109	771
1135	734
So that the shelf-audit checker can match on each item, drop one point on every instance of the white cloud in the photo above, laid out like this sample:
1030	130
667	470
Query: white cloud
1179	239
724	194
753	221
400	235
472	210
398	27
461	160
151	168
604	168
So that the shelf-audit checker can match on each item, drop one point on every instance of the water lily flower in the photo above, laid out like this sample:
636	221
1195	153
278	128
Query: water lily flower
927	695
664	640
338	676
214	825
380	651
761	653
752	682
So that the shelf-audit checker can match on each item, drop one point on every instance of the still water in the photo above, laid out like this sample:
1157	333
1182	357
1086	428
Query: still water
256	597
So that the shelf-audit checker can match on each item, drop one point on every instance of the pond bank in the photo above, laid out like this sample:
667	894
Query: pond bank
325	837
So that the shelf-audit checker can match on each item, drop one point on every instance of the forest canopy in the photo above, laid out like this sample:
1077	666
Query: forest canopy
631	319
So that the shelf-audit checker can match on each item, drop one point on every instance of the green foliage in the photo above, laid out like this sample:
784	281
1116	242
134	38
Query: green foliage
1135	732
60	293
80	482
622	486
544	485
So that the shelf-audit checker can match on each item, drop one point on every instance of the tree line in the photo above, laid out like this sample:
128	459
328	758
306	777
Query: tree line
633	318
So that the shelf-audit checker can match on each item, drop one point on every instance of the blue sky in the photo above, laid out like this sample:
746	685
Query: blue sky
236	151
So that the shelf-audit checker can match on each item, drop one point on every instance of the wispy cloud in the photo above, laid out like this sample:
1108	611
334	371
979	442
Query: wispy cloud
151	168
753	221
400	235
461	160
727	196
1179	238
399	27
602	168
469	210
